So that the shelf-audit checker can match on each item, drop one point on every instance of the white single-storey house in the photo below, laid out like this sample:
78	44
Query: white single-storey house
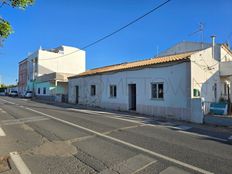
52	86
171	85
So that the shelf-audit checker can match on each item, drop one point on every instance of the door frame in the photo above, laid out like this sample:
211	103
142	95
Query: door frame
132	101
77	94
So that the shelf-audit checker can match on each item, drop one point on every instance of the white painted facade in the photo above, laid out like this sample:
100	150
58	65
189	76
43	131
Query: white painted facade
180	79
64	59
173	77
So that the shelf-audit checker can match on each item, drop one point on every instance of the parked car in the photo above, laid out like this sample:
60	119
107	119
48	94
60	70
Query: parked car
13	93
28	94
2	93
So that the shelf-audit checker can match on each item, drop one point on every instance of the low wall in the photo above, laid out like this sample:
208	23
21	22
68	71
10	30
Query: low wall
218	120
48	98
197	114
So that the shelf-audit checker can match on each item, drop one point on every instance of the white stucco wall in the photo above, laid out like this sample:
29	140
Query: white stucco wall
205	74
184	46
73	62
225	56
176	101
226	71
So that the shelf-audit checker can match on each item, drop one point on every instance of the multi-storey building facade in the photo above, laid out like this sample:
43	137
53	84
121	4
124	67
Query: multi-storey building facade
61	60
23	76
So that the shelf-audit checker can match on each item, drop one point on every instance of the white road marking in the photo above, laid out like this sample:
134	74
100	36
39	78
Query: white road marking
131	165
138	122
23	99
2	133
8	101
182	127
142	168
2	111
20	165
114	117
126	143
172	169
122	128
23	120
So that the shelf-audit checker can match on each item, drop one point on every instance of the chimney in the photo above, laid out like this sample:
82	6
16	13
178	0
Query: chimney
213	45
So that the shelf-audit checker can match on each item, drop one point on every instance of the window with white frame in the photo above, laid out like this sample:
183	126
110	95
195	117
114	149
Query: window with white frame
38	91
93	90
157	90
113	91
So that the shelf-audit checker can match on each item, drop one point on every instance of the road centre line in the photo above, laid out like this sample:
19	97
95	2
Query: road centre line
20	165
126	143
2	133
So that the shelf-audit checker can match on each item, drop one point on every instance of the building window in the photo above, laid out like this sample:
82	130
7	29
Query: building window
157	90
38	91
113	91
44	90
196	93
93	90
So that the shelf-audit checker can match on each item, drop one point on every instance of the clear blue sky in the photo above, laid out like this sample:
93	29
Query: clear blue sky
78	22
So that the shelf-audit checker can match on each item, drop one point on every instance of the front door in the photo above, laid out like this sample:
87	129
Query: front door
77	94
132	96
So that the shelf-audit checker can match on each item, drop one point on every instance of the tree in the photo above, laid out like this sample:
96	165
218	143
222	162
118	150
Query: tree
5	27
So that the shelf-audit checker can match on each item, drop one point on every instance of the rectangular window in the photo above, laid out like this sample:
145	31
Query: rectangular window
44	90
38	91
196	93
157	90
113	91
93	90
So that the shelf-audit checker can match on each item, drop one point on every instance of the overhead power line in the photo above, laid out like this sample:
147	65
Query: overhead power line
114	32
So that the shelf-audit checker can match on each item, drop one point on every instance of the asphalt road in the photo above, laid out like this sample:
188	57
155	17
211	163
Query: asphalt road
44	138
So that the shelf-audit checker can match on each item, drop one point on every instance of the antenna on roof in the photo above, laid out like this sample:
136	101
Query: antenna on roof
201	31
157	51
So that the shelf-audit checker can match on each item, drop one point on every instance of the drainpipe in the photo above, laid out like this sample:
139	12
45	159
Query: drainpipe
213	46
229	101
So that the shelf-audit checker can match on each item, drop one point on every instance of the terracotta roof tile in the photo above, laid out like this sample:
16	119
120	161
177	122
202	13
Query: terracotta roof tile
136	64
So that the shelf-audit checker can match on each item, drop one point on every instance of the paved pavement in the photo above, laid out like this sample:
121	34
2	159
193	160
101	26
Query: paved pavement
45	138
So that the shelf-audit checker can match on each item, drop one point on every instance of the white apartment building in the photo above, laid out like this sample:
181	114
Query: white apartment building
63	60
